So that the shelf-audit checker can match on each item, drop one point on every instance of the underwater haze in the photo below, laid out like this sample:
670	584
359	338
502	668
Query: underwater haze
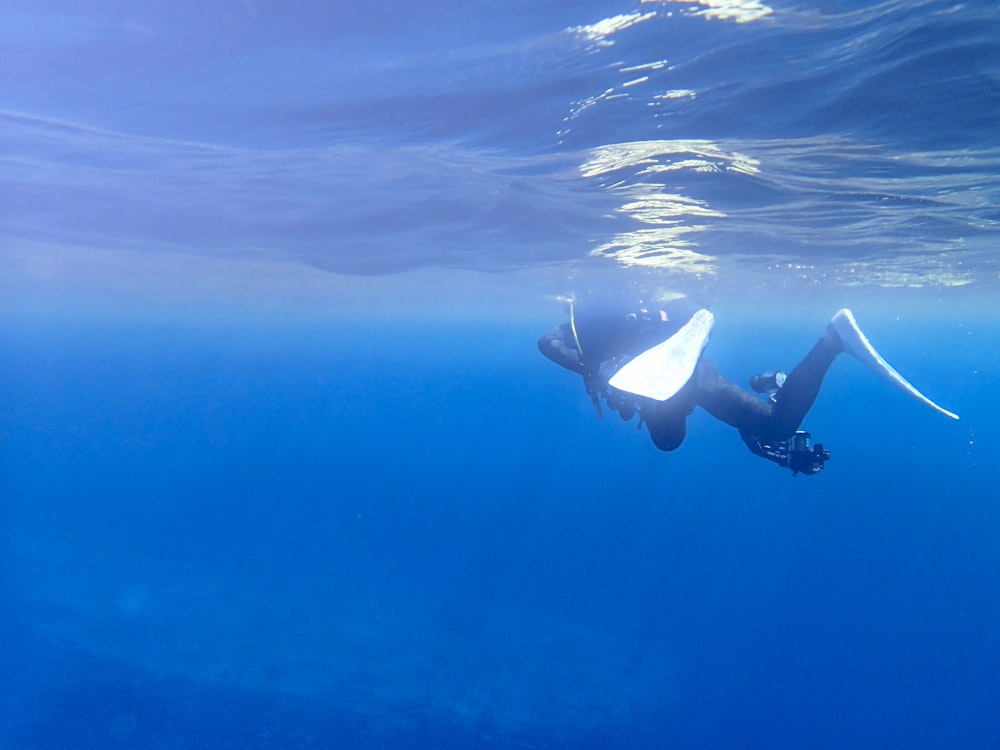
281	465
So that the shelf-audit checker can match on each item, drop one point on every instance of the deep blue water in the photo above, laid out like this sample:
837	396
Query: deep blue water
281	466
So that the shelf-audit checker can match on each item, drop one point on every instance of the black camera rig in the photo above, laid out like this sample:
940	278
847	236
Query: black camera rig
797	453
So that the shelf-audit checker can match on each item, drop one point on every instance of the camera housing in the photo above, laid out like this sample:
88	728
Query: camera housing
797	453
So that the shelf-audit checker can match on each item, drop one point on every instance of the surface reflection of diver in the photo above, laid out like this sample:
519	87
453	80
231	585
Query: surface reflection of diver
647	361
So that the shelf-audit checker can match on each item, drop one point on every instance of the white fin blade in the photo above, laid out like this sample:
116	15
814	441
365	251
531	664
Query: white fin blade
660	372
858	346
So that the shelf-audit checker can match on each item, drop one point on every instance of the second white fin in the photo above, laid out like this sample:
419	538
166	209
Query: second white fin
858	346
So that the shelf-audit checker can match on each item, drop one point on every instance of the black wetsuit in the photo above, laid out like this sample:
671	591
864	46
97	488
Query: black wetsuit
601	345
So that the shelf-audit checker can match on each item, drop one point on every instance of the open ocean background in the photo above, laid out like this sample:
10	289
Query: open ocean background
281	466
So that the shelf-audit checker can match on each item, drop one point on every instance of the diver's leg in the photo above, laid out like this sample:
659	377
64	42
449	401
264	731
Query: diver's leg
667	420
729	403
667	432
795	398
743	410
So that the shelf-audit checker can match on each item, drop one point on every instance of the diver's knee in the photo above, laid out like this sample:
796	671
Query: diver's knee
667	437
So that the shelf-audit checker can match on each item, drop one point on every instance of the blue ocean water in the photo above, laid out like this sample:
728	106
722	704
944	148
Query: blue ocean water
281	465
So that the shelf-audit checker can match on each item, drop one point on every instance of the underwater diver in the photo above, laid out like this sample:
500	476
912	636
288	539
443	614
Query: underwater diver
649	362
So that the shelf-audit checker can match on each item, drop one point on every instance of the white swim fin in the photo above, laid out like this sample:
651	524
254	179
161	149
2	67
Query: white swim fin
858	346
658	373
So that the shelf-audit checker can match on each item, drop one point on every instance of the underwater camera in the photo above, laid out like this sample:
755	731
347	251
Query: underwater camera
798	453
805	457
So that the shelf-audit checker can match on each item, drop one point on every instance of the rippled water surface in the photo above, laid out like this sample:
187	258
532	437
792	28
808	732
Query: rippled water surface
856	141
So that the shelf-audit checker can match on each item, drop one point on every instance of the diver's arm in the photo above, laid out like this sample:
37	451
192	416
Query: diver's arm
554	347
